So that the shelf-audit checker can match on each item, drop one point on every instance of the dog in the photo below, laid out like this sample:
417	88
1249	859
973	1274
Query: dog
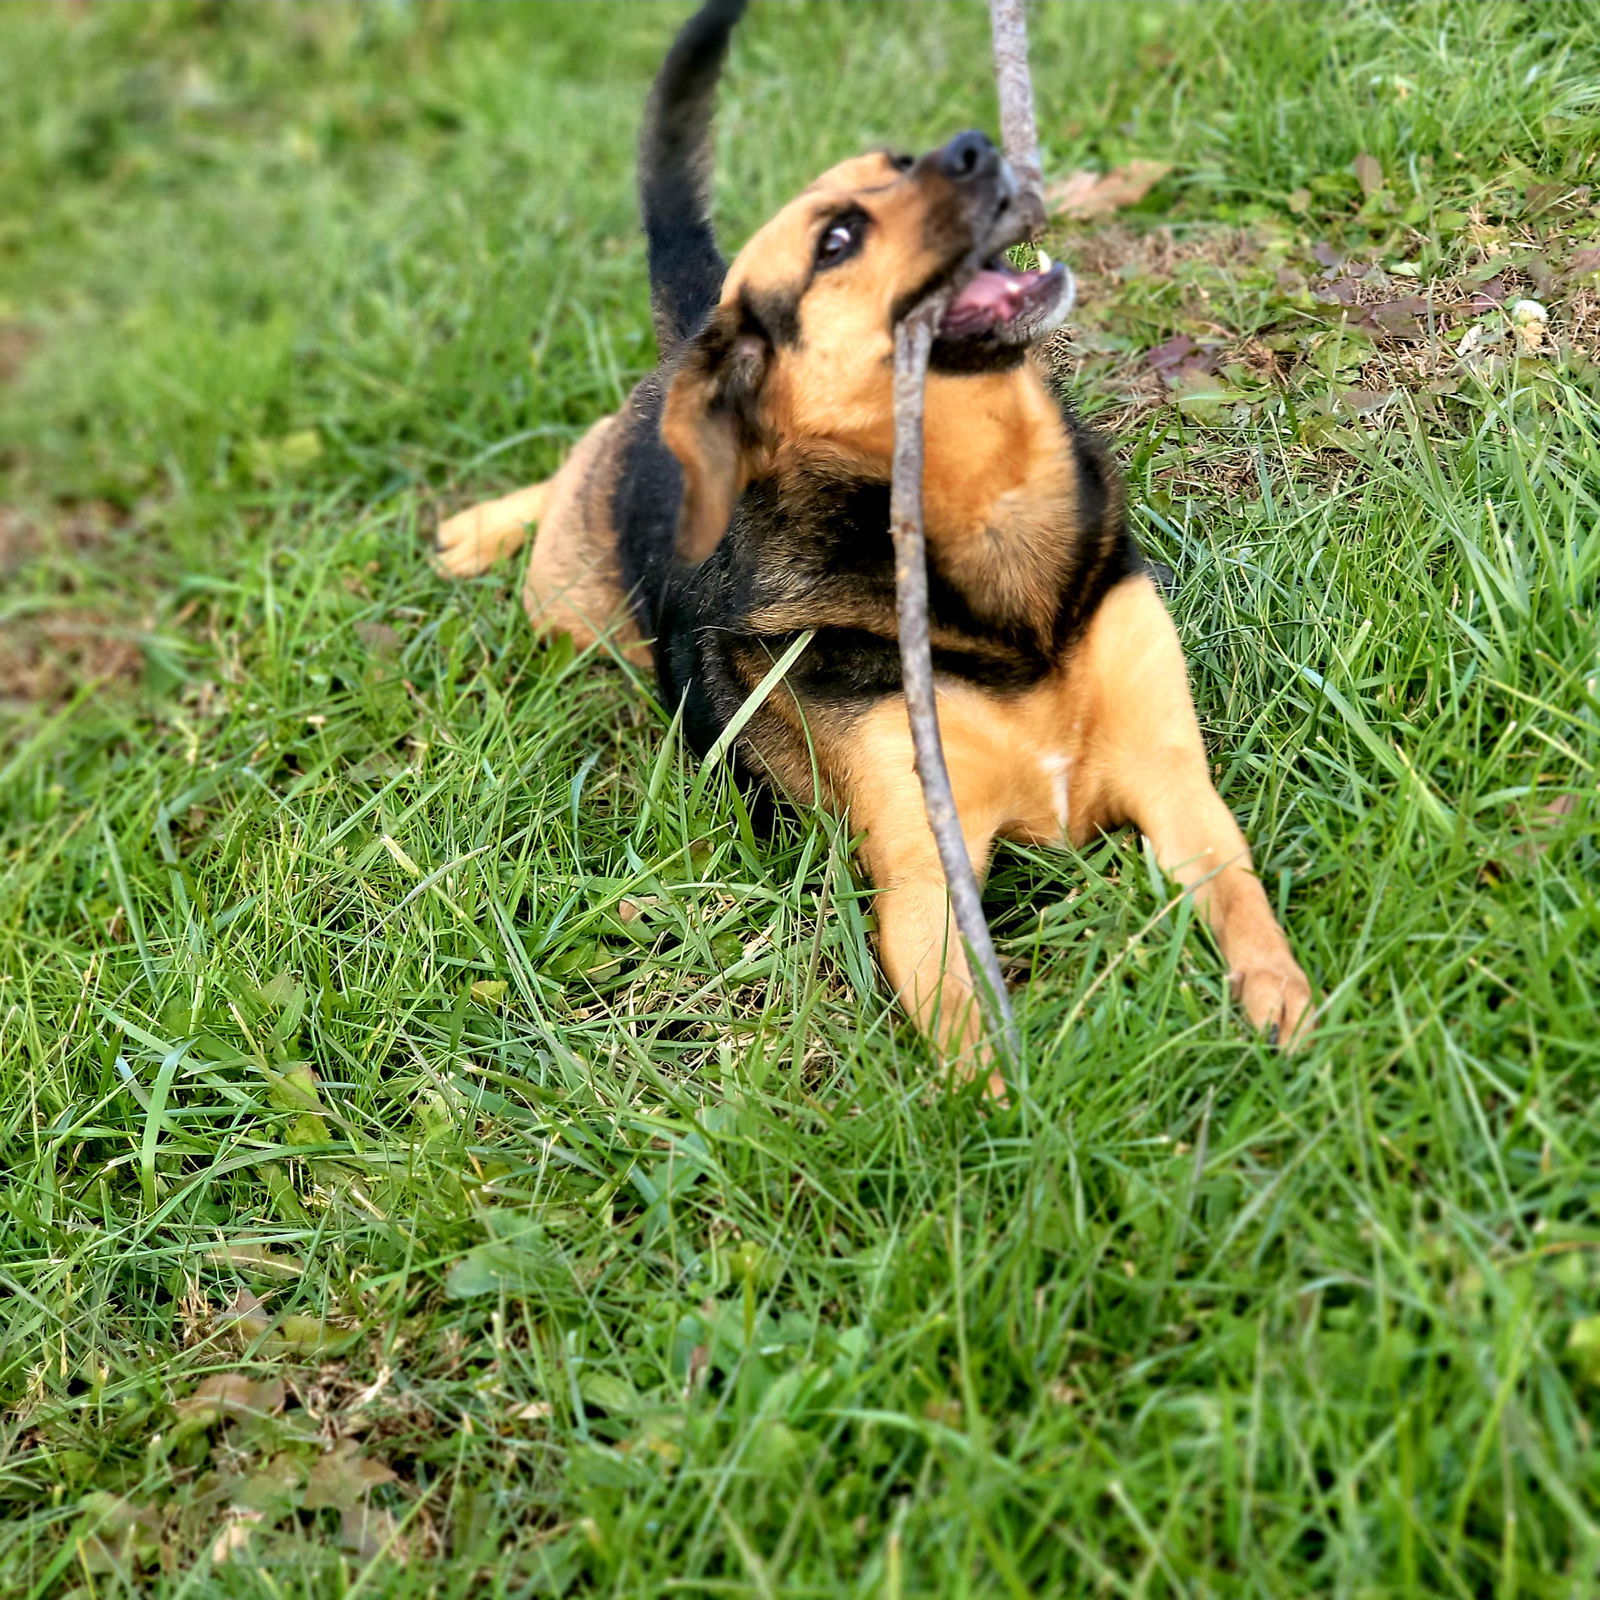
741	498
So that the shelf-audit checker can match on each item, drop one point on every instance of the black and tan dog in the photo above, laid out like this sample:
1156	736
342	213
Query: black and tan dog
741	497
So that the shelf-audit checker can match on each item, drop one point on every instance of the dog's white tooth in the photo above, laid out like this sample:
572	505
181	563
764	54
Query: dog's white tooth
1044	260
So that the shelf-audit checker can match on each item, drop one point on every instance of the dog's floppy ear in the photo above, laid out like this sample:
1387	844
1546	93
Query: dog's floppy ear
710	424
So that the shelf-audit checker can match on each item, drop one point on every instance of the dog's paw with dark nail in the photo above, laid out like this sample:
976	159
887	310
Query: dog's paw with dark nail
1277	999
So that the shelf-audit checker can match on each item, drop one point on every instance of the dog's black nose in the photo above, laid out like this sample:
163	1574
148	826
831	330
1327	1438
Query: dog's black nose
969	157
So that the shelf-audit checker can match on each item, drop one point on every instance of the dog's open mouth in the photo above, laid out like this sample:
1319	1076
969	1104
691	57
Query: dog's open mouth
1008	304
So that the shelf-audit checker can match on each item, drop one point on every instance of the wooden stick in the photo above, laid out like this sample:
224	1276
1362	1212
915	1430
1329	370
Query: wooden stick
913	339
1019	133
912	343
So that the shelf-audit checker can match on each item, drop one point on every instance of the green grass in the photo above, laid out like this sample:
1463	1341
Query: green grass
557	1245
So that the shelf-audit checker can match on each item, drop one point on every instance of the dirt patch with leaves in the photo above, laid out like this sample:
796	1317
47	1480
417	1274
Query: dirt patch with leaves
1349	315
48	658
69	532
57	641
18	341
250	1461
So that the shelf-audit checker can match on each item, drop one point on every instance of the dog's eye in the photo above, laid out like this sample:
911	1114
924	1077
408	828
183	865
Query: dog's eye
903	163
839	239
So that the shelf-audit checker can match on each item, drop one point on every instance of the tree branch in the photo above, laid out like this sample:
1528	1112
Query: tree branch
913	339
1019	133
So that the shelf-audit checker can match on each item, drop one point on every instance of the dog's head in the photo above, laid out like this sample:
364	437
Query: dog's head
799	350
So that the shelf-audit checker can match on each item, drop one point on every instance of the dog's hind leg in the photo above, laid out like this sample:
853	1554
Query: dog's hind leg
1144	762
574	580
473	540
573	584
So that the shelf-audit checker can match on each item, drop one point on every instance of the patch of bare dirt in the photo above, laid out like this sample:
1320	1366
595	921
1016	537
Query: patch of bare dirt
74	530
1111	255
1105	261
46	658
17	342
19	539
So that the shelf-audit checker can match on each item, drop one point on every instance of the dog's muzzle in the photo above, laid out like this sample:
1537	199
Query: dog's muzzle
994	300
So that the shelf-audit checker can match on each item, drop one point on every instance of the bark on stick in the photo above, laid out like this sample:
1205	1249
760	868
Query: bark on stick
912	344
1019	133
912	341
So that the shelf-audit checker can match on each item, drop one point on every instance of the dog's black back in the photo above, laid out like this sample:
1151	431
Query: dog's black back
818	541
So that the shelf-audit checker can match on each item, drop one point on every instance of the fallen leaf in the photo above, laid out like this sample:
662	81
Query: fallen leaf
1489	294
234	1538
1180	358
1541	274
243	1316
1368	173
489	991
225	1396
257	1259
1340	292
1085	194
1361	401
295	1334
272	1491
343	1478
1168	355
1545	819
1299	201
1538	198
379	638
1584	261
1203	396
1583	1343
1324	433
302	1335
119	1533
1327	255
369	1532
1400	319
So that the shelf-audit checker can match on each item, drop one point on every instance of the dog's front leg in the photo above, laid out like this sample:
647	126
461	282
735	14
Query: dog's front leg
918	941
1146	764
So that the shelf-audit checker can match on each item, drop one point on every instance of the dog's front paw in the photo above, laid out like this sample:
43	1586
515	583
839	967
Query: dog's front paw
1277	1000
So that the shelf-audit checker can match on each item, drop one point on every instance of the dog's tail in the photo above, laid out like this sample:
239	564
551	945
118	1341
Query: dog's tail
686	269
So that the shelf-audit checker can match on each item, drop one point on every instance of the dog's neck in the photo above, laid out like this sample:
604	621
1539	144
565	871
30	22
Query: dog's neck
999	501
992	442
995	446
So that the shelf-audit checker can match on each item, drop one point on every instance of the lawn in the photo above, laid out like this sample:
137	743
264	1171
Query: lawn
450	1149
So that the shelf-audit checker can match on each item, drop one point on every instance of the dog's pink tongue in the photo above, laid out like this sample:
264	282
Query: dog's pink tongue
990	292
